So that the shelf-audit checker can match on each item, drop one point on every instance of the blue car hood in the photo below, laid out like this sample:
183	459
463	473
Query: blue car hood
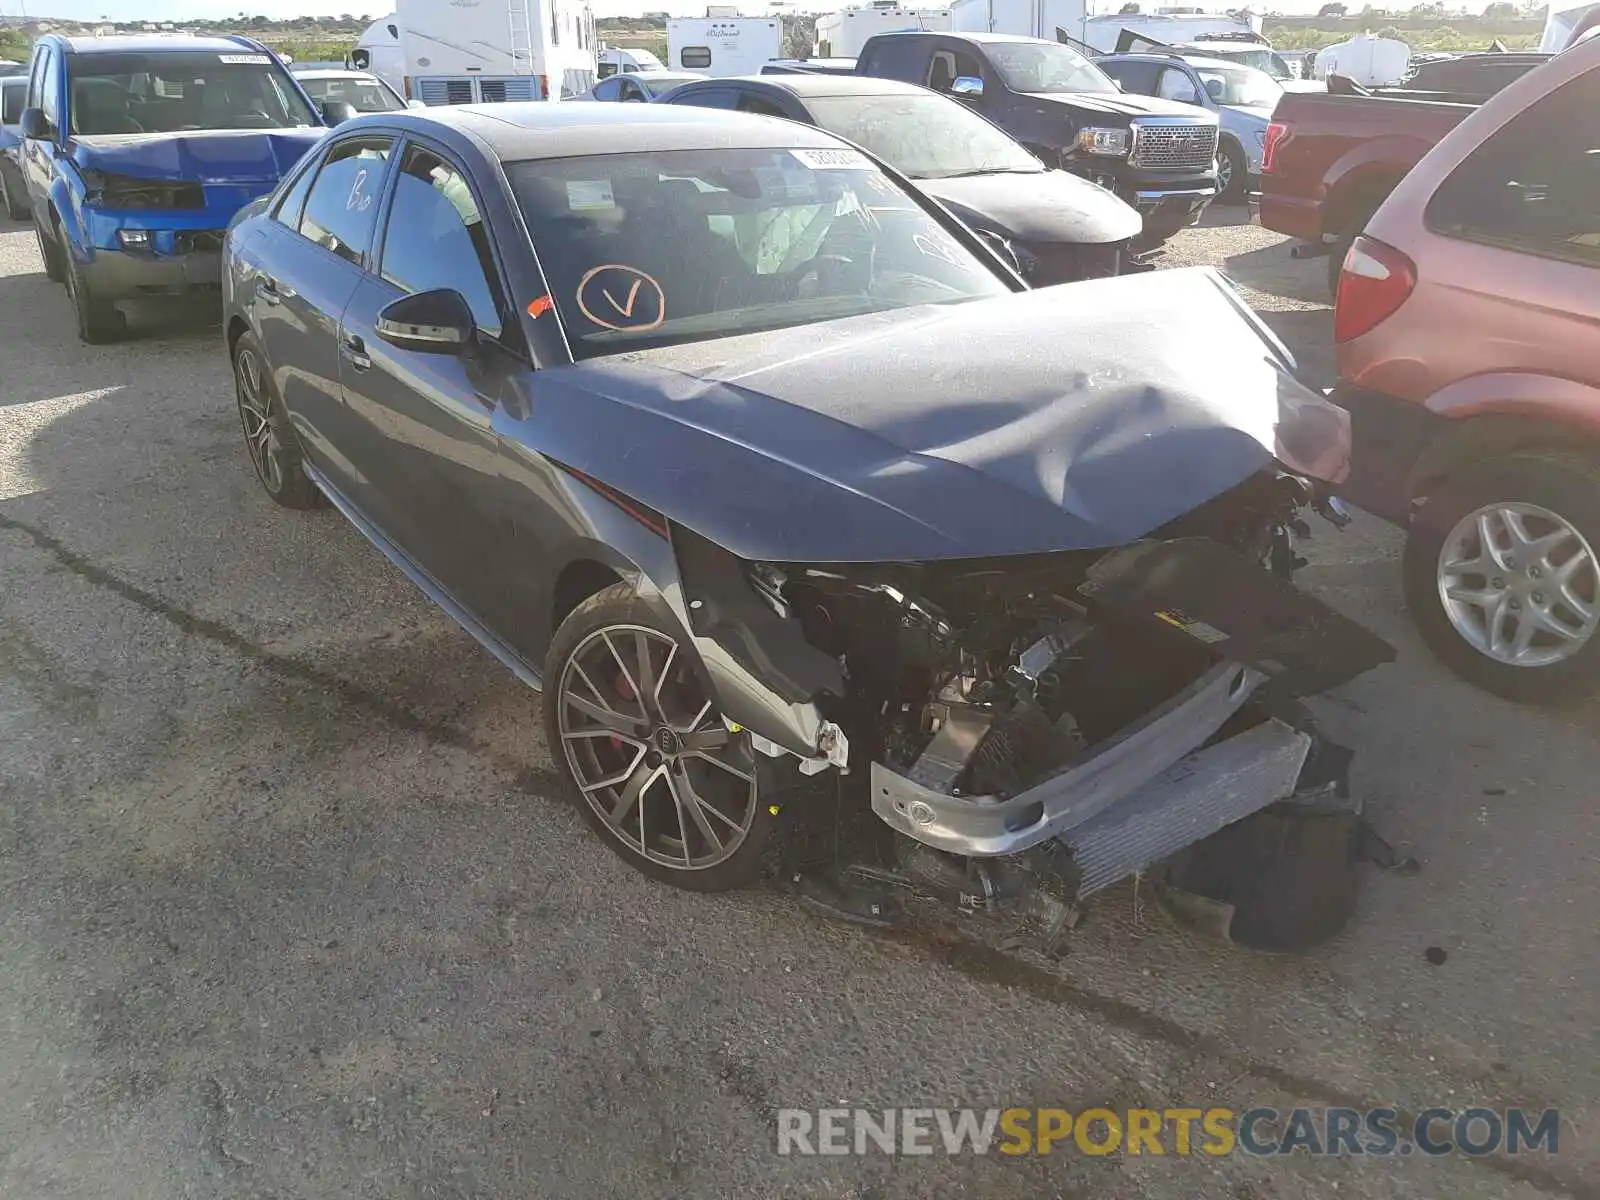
1071	418
230	157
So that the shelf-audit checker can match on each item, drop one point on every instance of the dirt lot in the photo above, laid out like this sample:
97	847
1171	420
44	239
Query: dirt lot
289	910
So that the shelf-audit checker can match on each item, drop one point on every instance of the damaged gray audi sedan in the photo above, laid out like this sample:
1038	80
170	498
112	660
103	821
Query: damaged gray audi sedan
769	473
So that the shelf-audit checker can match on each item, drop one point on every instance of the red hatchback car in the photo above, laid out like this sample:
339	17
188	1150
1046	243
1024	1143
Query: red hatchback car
1468	330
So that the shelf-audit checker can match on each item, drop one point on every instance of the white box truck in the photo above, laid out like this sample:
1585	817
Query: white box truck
1049	19
720	46
480	51
842	34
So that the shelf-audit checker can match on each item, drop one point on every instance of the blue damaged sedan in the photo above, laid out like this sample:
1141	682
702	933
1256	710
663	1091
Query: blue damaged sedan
772	475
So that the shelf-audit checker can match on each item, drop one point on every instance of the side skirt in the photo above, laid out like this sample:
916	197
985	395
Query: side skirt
453	609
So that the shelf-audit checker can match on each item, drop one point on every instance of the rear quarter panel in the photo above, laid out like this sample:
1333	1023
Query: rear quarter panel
1488	330
1341	150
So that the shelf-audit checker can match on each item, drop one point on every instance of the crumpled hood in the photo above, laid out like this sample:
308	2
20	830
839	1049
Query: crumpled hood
1047	206
1075	417
214	157
1128	104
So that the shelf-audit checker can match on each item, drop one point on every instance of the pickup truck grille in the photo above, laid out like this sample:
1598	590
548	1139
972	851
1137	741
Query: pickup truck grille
1171	147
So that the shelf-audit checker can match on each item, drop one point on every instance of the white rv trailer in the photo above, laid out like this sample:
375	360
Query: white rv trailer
1069	20
842	34
478	51
720	46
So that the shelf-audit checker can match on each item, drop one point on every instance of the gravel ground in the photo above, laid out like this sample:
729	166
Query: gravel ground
287	907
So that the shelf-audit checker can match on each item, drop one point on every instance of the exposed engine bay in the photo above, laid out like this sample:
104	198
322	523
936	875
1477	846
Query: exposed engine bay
1132	696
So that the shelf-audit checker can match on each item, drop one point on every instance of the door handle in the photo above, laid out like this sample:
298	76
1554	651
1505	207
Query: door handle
267	290
355	351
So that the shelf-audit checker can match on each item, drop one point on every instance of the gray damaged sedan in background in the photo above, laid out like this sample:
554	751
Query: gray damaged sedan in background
778	481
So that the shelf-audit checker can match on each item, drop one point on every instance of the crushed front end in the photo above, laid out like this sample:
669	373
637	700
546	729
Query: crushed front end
1119	705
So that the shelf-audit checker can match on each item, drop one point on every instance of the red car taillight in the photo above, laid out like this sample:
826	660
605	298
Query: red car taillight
1374	282
1276	132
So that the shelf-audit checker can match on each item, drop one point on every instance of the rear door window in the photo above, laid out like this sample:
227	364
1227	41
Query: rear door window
293	201
341	208
1535	185
905	59
758	104
1136	77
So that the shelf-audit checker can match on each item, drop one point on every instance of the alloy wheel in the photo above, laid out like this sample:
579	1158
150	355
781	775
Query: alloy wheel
649	752
1224	174
255	411
1520	584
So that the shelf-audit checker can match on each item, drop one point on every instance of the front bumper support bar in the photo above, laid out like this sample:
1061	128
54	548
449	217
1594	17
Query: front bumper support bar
1115	771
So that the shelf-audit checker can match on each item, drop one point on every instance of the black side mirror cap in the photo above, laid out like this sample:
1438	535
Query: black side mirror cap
337	112
436	322
34	124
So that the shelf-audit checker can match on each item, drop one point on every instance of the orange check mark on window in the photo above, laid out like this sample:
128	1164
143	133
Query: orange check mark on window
633	295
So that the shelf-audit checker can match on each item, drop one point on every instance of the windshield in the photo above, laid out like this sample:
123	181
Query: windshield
182	90
923	136
363	95
1240	86
1046	67
656	248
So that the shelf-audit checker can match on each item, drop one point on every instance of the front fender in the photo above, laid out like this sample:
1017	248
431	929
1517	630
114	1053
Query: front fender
762	673
66	199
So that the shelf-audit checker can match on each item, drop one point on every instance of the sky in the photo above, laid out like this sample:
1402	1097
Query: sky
178	10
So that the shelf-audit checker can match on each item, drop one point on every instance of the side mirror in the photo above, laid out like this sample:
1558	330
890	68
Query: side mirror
1214	88
436	322
360	59
336	112
969	86
415	104
34	123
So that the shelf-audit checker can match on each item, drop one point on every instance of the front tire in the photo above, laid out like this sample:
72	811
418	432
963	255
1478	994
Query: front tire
268	437
652	767
1502	576
1233	174
99	320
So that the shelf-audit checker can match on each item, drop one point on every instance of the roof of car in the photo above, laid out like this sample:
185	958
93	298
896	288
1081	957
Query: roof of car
330	73
1194	60
534	130
826	85
173	43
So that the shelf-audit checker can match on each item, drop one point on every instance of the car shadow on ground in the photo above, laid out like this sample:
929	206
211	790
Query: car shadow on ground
1271	270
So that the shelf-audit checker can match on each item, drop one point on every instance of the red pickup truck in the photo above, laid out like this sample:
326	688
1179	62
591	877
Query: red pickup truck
1331	158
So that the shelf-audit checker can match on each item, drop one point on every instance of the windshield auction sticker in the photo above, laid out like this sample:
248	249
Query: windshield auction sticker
833	160
588	195
249	60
